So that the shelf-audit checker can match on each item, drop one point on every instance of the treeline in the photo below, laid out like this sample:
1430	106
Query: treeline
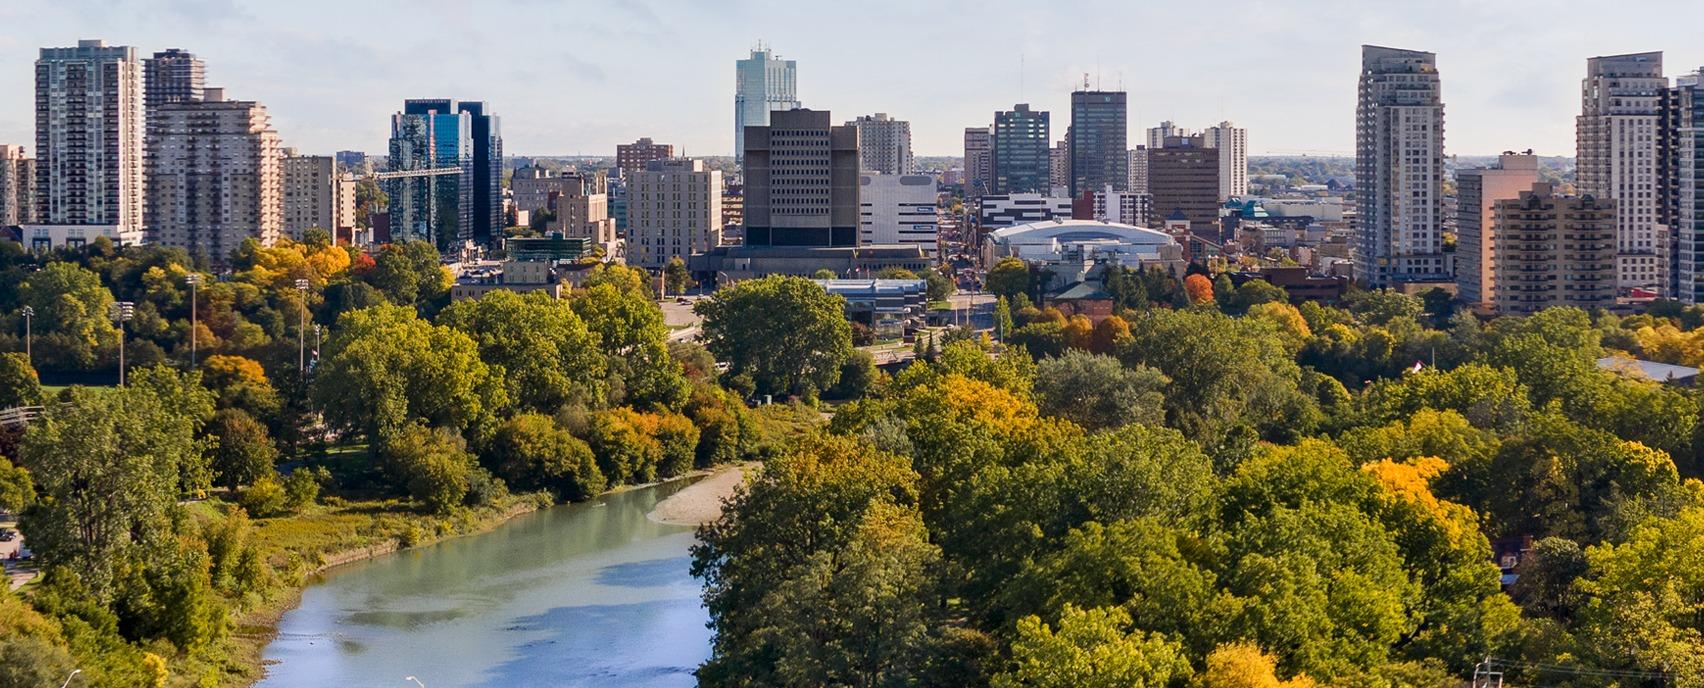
151	507
1235	492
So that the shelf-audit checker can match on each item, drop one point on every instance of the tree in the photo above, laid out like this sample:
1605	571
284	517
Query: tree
19	385
1641	596
1244	665
433	464
28	661
240	383
530	452
1002	319
384	368
1098	392
368	199
1253	293
676	276
1199	289
630	329
1009	278
106	466
824	274
1380	306
940	287
1092	649
71	322
896	273
17	490
547	356
243	452
787	333
410	274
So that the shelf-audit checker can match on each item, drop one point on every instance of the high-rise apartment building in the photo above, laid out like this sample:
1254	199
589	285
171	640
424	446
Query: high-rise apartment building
632	158
801	181
763	83
884	144
1059	166
1157	135
978	161
1020	145
315	195
1555	250
1139	169
1399	168
89	145
1123	207
486	218
214	177
172	76
674	209
17	187
1232	144
1183	179
1683	159
1100	132
899	209
1477	192
1616	140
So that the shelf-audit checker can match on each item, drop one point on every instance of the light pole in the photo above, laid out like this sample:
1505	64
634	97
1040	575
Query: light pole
415	680
193	280
302	330
28	313
73	675
121	312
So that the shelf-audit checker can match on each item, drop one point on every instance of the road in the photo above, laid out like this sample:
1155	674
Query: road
15	577
682	322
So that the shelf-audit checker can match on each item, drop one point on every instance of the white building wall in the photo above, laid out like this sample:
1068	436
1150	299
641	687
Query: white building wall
899	209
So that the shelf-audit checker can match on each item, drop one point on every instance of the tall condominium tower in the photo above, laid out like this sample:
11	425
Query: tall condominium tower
89	144
1098	138
214	176
1555	250
674	209
486	216
316	195
632	158
17	187
1399	168
1139	169
172	76
763	83
801	181
1021	142
1616	141
884	144
978	161
1478	191
1684	176
1059	164
432	141
1232	142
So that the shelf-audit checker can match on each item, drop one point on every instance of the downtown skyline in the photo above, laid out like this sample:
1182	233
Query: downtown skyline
574	84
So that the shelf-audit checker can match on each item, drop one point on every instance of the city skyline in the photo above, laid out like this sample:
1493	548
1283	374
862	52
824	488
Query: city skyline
1509	83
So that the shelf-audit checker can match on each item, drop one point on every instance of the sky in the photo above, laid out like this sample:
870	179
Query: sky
578	77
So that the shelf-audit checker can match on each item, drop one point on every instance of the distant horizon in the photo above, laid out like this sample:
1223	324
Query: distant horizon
566	80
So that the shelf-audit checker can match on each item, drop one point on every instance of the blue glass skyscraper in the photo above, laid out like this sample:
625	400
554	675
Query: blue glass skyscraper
445	168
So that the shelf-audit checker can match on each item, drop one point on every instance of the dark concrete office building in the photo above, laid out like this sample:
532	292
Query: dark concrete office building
1098	157
1183	177
801	181
1022	151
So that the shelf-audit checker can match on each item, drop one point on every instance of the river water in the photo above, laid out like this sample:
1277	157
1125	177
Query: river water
590	594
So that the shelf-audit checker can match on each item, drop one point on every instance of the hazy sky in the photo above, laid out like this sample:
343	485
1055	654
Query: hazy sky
580	77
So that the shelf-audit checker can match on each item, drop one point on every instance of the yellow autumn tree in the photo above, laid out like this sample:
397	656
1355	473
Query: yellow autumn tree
1244	665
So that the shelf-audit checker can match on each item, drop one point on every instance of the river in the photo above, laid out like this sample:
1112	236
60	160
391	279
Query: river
590	594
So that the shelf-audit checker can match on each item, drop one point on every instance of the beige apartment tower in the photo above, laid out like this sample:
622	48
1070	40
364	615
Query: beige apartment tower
674	209
17	187
215	177
1616	137
315	195
89	145
1478	191
1554	250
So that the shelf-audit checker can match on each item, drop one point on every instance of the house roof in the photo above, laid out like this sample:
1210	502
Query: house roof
1649	370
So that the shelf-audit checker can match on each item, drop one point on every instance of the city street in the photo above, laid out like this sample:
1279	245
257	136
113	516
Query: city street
15	577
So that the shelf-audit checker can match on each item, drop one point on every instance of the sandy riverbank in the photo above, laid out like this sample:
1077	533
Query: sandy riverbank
700	502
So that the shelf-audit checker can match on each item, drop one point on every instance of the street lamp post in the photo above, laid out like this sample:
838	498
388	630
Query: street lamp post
415	680
194	280
28	313
302	330
73	675
121	312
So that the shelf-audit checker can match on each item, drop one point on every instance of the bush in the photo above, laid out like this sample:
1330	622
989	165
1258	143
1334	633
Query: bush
483	488
625	453
530	452
432	464
302	486
244	453
265	497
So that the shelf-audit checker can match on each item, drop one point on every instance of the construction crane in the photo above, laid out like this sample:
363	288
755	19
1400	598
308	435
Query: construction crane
428	172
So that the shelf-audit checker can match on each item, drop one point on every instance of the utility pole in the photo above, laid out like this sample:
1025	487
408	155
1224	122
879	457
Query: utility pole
302	330
121	312
28	313
194	280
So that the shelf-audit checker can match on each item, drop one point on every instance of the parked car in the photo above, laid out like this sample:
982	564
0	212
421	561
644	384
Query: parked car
8	535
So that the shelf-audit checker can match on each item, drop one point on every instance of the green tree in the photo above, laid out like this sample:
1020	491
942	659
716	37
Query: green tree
1093	648
1642	596
19	385
630	328
105	463
1003	325
1252	293
546	354
384	368
676	276
17	490
71	322
1098	392
432	464
787	333
242	453
410	274
530	452
940	287
1009	278
28	661
240	383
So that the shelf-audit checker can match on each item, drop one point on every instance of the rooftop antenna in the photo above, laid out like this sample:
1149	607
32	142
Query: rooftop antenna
1020	76
1085	81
